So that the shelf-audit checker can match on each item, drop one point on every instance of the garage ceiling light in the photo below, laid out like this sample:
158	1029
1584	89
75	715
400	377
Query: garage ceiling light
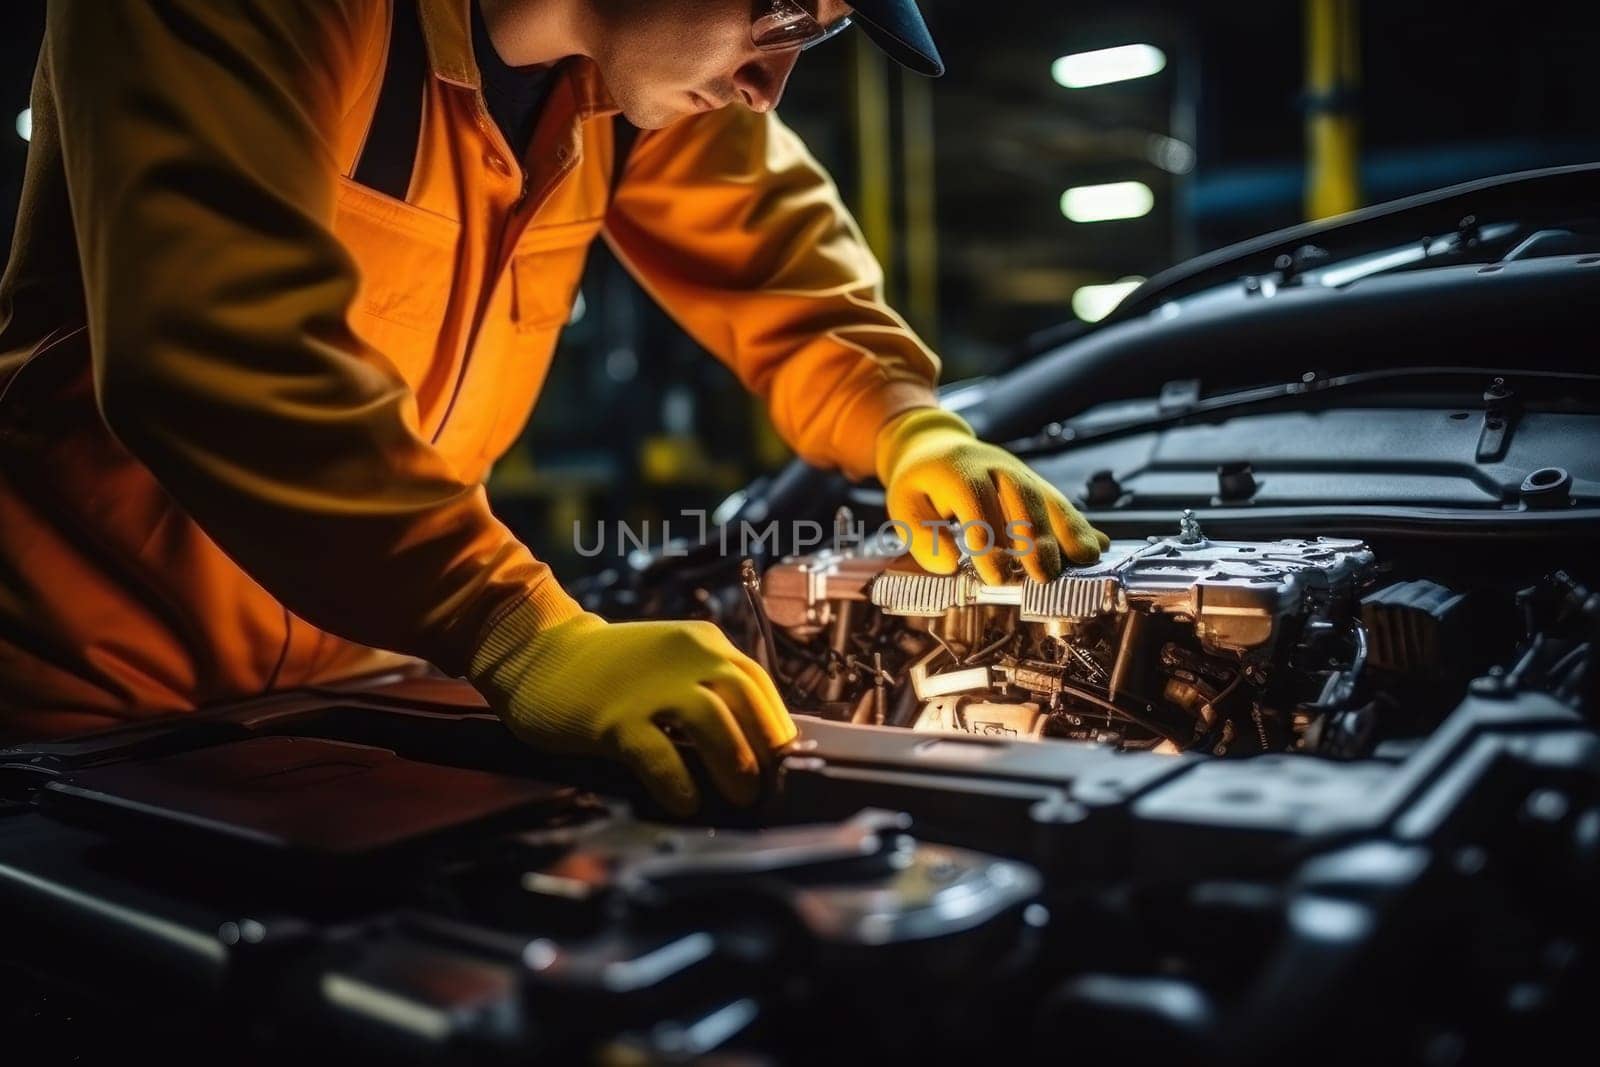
1103	203
1129	61
1091	303
25	124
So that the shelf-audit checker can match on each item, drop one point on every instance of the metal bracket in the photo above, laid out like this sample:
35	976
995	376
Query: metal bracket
1500	411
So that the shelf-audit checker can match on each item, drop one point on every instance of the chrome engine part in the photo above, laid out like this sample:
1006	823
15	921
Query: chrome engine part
1173	643
1237	594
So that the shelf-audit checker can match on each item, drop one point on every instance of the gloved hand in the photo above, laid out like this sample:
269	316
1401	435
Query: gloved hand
588	687
934	469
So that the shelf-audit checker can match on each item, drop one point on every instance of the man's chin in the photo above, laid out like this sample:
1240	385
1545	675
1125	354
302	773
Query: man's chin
654	115
653	118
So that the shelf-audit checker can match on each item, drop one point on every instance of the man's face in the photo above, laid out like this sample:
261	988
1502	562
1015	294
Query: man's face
665	59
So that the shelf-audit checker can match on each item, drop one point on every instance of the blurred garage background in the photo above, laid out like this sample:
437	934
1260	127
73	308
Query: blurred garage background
1072	150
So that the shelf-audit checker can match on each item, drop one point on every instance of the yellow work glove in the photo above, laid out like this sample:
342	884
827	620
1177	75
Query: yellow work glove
589	687
934	469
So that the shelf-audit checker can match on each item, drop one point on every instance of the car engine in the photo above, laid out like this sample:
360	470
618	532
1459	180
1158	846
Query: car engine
1171	644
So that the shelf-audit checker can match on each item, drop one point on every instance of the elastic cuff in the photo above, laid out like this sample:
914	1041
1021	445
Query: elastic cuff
546	606
894	434
860	422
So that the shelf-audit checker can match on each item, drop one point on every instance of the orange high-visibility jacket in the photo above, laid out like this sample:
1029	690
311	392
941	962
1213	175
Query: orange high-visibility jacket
247	405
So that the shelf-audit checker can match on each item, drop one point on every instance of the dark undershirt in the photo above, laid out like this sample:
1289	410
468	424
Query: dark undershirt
514	94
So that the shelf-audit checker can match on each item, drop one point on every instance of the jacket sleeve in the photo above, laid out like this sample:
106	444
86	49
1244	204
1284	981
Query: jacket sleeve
735	229
196	139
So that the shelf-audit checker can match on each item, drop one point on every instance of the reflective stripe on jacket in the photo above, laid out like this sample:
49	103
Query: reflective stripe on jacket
247	405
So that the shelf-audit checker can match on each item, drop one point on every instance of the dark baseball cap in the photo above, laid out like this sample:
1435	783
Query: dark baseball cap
896	26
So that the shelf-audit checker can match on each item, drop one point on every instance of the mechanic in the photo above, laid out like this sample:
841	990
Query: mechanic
254	374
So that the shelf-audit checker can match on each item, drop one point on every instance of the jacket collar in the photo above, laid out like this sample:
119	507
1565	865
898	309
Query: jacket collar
447	27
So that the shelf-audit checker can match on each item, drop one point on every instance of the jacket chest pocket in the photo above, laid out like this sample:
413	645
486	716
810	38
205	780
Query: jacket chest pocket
543	281
546	270
407	260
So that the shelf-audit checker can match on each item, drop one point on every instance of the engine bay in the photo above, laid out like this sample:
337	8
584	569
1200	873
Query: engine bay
1309	773
1183	643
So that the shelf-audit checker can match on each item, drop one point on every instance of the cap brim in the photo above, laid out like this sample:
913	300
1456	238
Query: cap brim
896	26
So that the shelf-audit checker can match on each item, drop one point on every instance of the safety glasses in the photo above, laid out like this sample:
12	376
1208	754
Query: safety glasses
779	25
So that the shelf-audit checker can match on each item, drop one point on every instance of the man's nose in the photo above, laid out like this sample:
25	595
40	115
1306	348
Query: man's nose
760	82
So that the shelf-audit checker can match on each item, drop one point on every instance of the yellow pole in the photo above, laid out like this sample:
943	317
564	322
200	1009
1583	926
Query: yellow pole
1333	74
875	209
922	231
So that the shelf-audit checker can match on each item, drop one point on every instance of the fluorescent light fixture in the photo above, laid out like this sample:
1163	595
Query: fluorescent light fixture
25	124
1107	65
1103	203
1092	303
